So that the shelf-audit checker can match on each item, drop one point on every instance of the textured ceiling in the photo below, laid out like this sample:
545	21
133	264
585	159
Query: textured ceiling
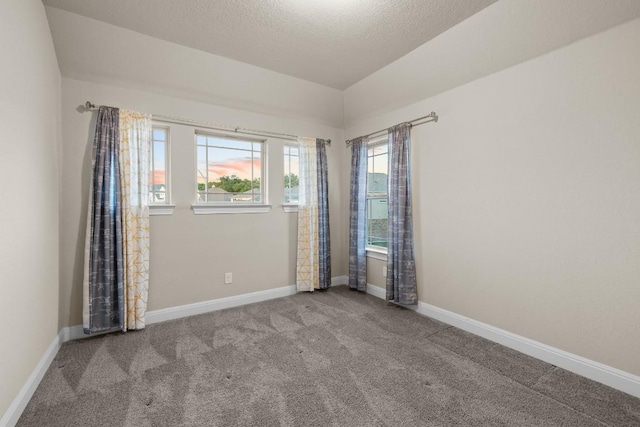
331	42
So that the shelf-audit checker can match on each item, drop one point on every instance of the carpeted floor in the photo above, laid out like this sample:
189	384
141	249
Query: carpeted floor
334	358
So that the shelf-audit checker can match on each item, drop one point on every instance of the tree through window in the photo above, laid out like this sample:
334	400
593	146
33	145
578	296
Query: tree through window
291	174
229	170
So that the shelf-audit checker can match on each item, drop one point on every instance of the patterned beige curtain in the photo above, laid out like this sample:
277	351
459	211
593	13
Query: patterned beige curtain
135	149
307	268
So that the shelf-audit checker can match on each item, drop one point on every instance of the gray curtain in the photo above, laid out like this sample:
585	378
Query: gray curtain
401	268
324	240
358	216
105	265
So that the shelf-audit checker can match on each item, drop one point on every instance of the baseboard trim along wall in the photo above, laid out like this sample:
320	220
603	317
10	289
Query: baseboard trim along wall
76	332
13	413
596	371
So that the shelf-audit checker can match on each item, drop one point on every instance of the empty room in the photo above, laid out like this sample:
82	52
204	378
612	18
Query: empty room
320	212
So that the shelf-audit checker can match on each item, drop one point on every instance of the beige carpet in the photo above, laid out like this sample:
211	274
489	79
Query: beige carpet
334	358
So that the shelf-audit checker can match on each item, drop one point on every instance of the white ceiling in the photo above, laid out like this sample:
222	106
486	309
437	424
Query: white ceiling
335	43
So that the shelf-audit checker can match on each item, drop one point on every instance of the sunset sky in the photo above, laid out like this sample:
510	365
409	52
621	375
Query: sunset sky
238	166
231	157
157	177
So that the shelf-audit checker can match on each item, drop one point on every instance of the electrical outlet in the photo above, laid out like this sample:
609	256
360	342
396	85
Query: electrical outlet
228	278
384	271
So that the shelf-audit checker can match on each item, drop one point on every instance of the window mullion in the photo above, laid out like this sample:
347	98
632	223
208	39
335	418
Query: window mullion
229	157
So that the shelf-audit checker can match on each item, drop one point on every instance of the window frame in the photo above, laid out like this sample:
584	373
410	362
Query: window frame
290	207
166	207
208	208
373	251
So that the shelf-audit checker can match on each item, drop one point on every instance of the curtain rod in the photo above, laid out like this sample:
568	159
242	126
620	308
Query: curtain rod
431	117
236	129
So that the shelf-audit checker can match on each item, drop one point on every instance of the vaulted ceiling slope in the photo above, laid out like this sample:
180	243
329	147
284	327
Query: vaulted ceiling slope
505	34
331	42
501	35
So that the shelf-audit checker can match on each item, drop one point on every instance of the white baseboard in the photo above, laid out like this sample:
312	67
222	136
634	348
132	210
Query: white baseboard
13	413
376	291
596	371
181	311
76	332
155	316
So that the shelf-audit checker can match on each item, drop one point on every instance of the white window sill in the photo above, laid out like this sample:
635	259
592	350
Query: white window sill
290	208
161	209
236	208
376	253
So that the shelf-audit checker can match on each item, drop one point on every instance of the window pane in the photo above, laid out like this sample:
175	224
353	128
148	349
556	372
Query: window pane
159	135
159	162
158	167
202	168
382	163
257	171
370	172
224	162
229	170
158	197
378	149
216	195
377	182
377	167
291	174
377	222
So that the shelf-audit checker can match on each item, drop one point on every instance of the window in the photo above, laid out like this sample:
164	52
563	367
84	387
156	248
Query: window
377	170
159	167
291	174
230	170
